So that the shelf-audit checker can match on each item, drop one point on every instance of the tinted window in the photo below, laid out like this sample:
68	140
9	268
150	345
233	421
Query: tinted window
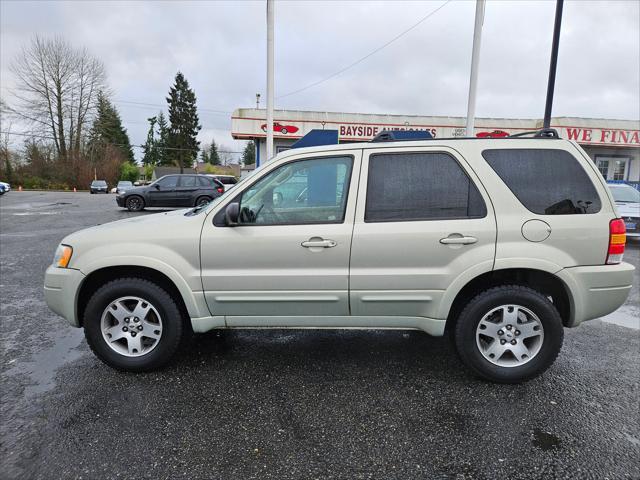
170	181
306	191
205	181
188	181
99	183
547	182
420	186
228	180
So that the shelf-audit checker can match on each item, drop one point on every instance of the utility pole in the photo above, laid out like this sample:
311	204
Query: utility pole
551	85
270	78
475	60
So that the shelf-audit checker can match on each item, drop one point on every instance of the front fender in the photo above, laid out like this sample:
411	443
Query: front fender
190	288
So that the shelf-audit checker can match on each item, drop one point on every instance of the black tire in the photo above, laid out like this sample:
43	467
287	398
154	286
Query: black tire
172	324
283	131
202	200
541	306
134	203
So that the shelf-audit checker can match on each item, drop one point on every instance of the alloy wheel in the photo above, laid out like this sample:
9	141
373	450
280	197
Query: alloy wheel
509	335
131	326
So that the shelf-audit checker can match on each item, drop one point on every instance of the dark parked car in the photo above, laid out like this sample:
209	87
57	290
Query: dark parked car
98	186
172	191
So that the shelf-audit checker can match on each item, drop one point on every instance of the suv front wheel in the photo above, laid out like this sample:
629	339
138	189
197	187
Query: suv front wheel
134	203
509	334
133	324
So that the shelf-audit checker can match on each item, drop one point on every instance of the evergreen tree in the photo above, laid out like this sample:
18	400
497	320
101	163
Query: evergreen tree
183	117
163	140
204	157
150	148
249	154
214	158
107	130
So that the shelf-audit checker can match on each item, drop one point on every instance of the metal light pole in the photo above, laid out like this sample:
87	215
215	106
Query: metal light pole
475	60
270	78
553	64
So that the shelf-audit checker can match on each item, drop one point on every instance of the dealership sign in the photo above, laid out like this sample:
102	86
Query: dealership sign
243	127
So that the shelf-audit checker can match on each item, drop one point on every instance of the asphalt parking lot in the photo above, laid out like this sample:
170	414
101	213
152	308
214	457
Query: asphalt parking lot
290	404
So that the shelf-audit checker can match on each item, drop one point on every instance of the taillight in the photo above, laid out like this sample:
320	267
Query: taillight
617	239
220	190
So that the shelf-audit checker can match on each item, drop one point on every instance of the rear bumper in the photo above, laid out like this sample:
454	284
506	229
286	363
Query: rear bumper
596	290
61	287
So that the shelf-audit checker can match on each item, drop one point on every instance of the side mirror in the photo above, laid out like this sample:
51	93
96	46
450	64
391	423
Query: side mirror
231	214
157	186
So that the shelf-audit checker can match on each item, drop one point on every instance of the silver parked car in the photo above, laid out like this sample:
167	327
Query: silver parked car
501	242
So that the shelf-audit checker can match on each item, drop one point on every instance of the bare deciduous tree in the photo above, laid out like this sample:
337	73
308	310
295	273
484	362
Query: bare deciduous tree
57	90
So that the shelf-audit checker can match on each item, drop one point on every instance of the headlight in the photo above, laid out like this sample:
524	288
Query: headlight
62	256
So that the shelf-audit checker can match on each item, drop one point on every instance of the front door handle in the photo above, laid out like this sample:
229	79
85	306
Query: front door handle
458	240
316	242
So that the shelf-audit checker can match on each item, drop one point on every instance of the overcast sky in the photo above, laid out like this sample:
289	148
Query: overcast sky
220	47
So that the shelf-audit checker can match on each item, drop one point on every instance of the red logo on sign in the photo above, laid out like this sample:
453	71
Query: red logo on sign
277	127
494	134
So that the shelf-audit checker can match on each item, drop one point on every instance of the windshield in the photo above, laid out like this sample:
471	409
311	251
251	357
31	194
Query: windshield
625	194
217	200
99	183
125	184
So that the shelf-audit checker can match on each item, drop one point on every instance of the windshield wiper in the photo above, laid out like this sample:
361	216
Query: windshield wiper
195	210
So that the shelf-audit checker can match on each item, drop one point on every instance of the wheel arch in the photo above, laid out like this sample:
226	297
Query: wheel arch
542	281
93	280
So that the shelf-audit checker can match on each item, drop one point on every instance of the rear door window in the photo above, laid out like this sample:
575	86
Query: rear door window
420	186
205	181
188	181
546	182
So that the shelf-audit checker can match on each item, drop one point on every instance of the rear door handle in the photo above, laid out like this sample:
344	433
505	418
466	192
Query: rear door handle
451	240
319	243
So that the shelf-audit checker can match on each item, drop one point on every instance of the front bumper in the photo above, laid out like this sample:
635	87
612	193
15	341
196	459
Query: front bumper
596	290
120	201
61	287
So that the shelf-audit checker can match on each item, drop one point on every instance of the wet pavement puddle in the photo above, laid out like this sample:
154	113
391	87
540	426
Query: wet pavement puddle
545	441
42	367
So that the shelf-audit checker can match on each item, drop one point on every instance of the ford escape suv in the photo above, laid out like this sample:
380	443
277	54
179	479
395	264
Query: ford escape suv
501	242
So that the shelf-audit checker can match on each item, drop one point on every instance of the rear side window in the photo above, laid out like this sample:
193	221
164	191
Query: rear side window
420	186
547	182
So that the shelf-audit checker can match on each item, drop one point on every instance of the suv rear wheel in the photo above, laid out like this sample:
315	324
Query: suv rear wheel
133	324
202	201
509	334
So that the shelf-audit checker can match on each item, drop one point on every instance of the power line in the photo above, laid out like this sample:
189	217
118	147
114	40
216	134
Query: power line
360	60
33	135
145	104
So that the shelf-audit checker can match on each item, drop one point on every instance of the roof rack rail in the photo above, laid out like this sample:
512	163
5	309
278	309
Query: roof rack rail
544	133
397	135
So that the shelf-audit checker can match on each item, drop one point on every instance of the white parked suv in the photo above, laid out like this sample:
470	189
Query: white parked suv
501	242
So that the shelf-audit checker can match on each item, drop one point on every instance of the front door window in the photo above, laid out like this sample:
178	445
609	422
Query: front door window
298	193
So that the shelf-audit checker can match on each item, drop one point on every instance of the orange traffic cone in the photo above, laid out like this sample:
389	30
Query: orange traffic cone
74	190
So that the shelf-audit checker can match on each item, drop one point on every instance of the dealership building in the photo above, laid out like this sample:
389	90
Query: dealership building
613	145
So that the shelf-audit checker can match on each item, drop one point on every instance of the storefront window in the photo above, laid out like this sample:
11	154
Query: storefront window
603	166
619	167
612	167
